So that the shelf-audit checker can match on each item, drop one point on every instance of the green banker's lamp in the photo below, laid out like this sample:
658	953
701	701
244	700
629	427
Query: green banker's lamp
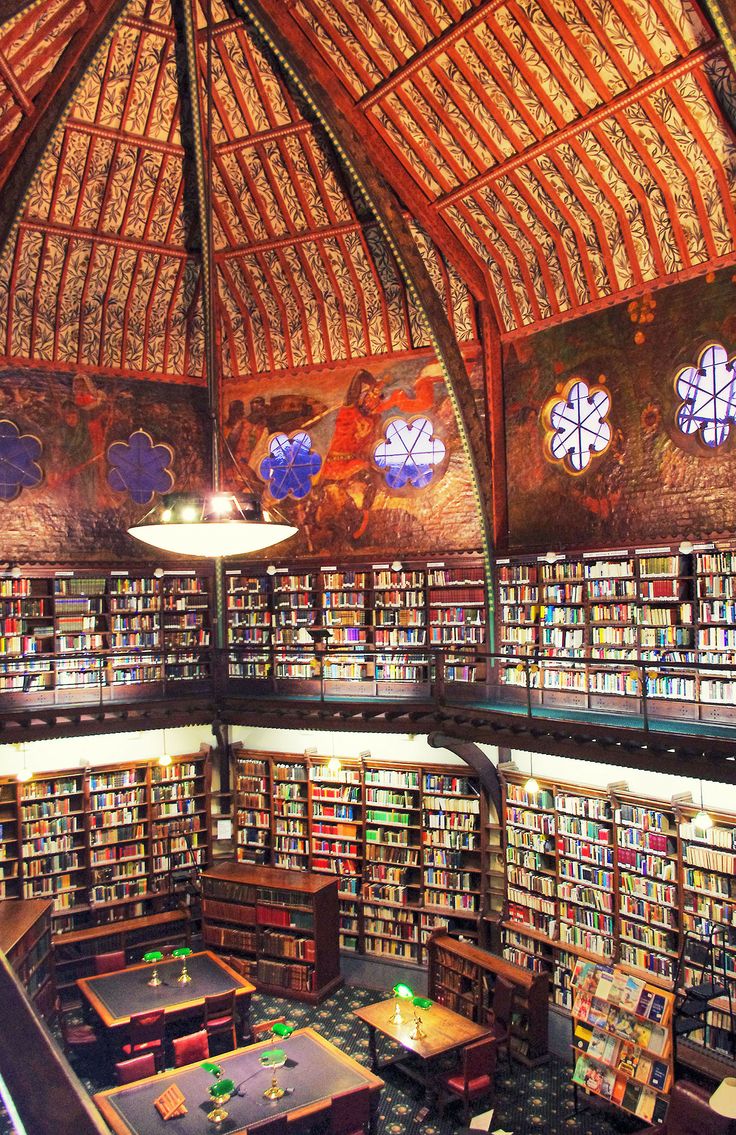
183	952
154	957
276	1058
220	1092
401	992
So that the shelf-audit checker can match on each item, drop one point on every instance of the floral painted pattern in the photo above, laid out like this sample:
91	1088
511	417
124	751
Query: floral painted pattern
708	394
409	453
291	466
140	467
19	468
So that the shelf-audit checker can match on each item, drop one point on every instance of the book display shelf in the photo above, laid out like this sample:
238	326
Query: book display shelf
622	1048
283	923
400	620
408	844
69	636
461	976
457	617
105	844
345	613
25	939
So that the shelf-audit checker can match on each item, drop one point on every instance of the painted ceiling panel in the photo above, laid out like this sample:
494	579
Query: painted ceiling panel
31	45
577	148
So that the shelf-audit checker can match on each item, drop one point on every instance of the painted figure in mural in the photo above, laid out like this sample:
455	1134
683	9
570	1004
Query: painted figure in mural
247	435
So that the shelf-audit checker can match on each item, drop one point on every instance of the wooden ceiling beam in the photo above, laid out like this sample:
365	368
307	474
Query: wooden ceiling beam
23	155
318	74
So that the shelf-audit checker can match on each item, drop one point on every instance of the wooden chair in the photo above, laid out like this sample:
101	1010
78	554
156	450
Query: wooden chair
499	1015
146	1034
128	1071
351	1111
474	1078
80	1039
109	963
219	1015
190	1049
261	1028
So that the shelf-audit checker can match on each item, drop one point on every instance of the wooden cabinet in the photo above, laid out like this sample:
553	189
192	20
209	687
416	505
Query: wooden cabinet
461	976
25	939
284	922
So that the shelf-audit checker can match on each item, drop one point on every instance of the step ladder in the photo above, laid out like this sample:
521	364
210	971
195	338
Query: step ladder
696	1002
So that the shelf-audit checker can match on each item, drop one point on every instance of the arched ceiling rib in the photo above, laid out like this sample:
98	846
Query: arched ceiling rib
577	148
103	269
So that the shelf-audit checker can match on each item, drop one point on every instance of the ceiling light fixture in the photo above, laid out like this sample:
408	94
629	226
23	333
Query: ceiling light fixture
219	522
701	820
532	785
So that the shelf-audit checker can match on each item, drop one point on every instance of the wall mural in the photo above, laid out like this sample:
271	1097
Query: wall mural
75	514
341	500
654	482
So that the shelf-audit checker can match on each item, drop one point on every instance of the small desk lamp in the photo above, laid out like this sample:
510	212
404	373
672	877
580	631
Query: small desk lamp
182	952
419	1003
401	992
154	956
274	1059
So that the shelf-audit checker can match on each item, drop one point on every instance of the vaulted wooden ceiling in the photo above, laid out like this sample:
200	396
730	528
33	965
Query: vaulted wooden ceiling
549	155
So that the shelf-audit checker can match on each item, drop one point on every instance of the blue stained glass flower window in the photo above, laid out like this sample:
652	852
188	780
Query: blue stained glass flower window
140	467
576	425
291	465
409	453
708	394
19	455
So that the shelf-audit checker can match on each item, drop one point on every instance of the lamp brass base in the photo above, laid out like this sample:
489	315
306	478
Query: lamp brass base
184	977
418	1033
218	1114
155	979
274	1092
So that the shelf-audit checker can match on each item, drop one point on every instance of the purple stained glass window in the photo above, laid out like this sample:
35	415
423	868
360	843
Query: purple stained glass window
140	467
19	468
577	426
708	394
291	466
409	453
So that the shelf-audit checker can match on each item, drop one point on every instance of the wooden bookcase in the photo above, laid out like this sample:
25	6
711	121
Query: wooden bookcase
290	804
284	922
622	1040
461	976
249	626
253	816
25	939
106	843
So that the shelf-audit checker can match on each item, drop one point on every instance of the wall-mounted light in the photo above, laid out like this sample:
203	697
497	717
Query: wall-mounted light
552	557
158	573
397	565
271	569
686	547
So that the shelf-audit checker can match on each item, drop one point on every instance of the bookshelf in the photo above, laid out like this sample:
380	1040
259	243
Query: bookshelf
53	808
622	1050
25	939
186	623
27	637
400	621
119	835
392	870
253	815
461	976
716	633
453	815
457	620
337	829
81	632
585	865
345	613
9	841
284	924
518	609
293	613
135	629
180	821
290	802
249	626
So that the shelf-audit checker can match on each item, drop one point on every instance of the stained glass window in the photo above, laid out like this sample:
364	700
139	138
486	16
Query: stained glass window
409	453
19	468
291	465
576	425
708	394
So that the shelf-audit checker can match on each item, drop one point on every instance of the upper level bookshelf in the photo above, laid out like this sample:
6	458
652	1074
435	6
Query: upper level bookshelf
72	636
106	843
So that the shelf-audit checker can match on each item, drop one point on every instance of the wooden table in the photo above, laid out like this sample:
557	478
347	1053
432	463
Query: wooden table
116	996
314	1071
444	1031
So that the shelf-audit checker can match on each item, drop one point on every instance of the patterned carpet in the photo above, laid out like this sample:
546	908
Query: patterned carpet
528	1101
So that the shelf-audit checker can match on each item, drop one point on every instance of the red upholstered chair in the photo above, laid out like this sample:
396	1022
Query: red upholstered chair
351	1111
190	1049
146	1034
474	1078
219	1015
499	1015
109	963
690	1114
128	1071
